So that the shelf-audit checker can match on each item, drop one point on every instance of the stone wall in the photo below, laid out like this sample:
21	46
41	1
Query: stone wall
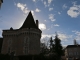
15	38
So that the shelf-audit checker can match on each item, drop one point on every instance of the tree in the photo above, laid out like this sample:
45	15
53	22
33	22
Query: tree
43	49
58	47
51	44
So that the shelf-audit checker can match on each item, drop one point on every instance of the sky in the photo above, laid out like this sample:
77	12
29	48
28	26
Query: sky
61	16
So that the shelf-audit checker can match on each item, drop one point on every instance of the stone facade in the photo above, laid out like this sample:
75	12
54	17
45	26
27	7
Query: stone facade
23	41
1	41
72	52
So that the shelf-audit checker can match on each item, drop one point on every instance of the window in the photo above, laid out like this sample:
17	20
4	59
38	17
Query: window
9	42
77	53
70	58
25	41
74	53
75	49
25	48
70	53
9	45
9	50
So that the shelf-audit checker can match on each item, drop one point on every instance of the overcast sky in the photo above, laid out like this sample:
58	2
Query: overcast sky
61	16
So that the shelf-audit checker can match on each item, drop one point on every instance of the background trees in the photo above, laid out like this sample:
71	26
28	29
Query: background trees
55	50
58	47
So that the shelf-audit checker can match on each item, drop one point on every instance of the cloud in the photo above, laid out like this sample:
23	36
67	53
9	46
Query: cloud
34	0
59	13
74	2
77	33
0	32
45	3
42	26
45	35
48	29
51	17
50	9
37	10
63	36
64	6
32	12
45	20
49	2
56	25
23	7
46	38
74	11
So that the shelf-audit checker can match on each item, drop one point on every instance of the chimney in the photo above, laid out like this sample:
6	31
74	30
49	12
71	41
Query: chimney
37	23
75	42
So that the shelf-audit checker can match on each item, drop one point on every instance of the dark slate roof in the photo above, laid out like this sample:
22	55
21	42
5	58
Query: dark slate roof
29	22
72	46
1	41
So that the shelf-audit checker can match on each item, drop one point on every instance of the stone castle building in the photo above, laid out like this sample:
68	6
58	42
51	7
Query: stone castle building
22	41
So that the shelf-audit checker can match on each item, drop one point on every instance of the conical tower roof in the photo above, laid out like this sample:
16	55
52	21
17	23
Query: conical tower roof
29	22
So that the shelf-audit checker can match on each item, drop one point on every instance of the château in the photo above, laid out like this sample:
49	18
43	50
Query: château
22	41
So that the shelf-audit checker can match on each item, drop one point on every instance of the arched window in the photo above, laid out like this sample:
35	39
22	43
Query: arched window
25	48
25	39
9	45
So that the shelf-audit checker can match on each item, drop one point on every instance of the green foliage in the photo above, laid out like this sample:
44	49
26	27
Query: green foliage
51	45
55	49
58	46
